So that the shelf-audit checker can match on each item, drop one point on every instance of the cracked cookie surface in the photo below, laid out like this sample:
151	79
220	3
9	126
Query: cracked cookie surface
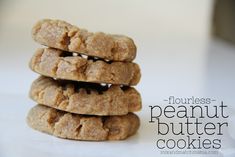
62	35
78	127
63	65
85	98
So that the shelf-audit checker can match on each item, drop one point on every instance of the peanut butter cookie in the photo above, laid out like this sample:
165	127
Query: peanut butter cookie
85	98
64	36
78	127
63	65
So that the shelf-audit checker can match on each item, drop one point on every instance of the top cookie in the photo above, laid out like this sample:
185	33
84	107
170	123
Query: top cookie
62	35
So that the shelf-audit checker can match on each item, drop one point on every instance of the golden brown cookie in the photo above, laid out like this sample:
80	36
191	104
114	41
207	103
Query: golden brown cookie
64	36
78	127
85	98
63	65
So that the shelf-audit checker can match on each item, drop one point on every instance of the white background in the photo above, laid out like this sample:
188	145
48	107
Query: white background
176	53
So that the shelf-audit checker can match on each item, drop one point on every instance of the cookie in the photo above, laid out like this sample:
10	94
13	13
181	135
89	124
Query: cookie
78	127
63	65
85	98
64	36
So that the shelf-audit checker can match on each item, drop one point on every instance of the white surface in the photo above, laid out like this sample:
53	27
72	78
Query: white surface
17	139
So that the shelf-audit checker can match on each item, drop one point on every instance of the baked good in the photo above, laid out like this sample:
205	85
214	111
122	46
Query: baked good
63	65
85	98
64	36
81	127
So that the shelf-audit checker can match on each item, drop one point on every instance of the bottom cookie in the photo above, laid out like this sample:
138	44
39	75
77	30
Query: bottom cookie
82	127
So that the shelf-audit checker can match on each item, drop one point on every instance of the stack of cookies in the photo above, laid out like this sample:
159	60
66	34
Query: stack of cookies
84	91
